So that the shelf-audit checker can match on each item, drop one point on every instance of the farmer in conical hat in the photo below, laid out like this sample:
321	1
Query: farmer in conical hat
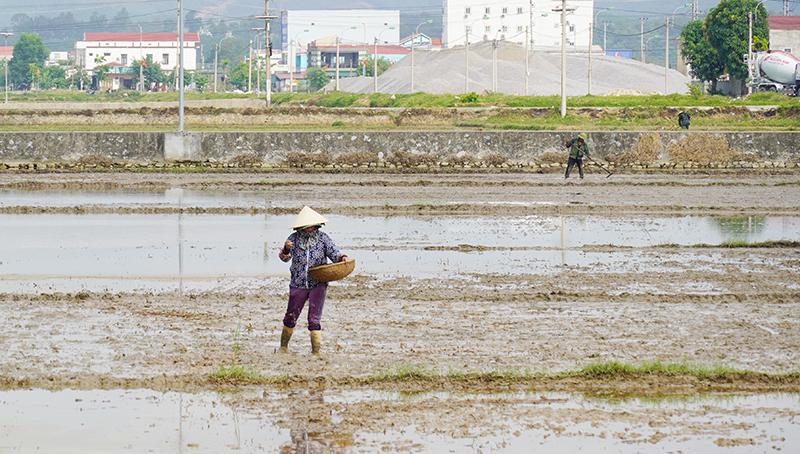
307	247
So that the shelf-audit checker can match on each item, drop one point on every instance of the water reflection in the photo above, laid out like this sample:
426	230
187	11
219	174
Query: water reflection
317	420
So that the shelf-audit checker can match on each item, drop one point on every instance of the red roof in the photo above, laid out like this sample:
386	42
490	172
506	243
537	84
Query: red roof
134	36
383	49
6	51
784	22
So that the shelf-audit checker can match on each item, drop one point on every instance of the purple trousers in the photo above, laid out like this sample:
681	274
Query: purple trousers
297	299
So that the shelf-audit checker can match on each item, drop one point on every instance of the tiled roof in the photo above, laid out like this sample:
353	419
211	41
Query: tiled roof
784	22
134	36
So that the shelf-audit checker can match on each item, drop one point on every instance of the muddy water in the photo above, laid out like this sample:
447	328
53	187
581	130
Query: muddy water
164	252
259	420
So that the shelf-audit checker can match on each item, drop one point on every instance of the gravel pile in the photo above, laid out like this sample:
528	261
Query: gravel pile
443	72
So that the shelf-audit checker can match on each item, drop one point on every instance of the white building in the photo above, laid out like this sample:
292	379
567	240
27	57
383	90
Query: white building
123	49
353	26
486	20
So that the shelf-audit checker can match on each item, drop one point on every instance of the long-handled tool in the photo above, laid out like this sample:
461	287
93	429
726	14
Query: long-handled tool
601	166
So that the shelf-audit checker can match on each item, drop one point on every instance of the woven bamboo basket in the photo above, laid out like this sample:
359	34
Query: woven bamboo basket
332	271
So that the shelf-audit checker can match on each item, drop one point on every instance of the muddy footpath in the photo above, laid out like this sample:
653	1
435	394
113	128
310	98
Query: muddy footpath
488	313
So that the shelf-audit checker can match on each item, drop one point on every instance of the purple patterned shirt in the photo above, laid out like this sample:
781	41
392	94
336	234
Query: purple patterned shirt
302	260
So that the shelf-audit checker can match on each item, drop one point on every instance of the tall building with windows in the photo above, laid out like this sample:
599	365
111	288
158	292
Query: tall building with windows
121	49
486	20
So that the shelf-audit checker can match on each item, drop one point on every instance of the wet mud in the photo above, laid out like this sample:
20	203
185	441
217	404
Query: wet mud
160	300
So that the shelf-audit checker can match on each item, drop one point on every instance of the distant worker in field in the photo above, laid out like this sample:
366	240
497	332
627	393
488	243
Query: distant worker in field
307	247
578	149
684	120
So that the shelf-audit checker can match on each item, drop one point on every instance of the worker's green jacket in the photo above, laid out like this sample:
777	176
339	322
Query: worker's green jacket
577	150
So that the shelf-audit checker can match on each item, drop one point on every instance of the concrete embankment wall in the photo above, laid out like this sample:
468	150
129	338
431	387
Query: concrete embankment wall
275	147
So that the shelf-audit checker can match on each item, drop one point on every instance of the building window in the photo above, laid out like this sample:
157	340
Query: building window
469	29
487	10
505	28
164	59
487	29
572	28
505	10
502	37
107	54
519	10
556	25
520	29
467	10
486	37
124	59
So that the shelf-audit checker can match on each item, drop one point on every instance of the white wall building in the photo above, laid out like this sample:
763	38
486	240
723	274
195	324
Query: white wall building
124	48
485	20
352	26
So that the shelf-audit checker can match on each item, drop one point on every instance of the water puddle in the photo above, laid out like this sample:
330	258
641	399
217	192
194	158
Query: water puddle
315	420
54	252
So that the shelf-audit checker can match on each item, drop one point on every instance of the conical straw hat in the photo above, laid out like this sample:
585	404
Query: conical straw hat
308	217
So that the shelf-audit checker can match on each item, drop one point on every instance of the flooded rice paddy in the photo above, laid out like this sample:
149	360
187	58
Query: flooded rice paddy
52	252
118	305
263	420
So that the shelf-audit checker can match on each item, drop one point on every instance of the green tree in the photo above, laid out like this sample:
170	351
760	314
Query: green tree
383	65
152	72
727	29
705	62
238	76
54	77
199	80
317	78
28	51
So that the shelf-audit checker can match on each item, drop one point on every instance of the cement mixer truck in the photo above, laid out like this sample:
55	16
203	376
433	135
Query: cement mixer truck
776	71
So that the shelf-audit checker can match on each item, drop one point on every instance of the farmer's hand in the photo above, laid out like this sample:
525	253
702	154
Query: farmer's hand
287	246
343	258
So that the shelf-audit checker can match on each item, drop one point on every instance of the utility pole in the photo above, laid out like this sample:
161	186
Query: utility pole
466	63
216	65
181	101
666	57
337	63
605	34
785	7
5	36
527	62
414	38
412	63
267	49
375	67
591	30
530	24
494	65
563	10
250	67
750	52
291	66
641	39
141	62
258	59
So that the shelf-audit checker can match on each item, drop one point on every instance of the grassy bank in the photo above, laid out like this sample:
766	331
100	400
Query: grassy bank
422	100
606	373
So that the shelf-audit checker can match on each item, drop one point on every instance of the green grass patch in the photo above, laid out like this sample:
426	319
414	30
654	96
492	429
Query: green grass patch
760	244
423	100
241	375
614	369
602	370
734	244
